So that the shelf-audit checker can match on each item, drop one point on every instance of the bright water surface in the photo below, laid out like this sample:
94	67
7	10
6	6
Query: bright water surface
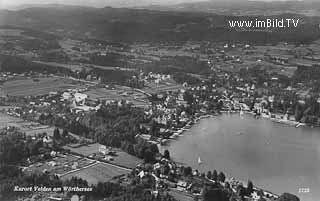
276	157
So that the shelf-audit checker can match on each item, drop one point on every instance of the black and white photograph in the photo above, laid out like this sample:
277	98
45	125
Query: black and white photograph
159	100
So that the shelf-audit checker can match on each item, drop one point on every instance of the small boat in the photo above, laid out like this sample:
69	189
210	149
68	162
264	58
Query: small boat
240	133
241	112
199	161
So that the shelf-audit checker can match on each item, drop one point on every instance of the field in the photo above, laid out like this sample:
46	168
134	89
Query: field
121	158
162	87
84	150
97	173
118	93
10	32
125	159
62	164
29	128
181	196
72	67
104	94
6	120
29	87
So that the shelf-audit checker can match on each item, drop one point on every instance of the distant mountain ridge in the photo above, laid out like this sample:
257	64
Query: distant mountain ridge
57	6
245	7
221	7
90	3
144	25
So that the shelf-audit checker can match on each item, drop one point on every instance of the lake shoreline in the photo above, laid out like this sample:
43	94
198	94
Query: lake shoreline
234	114
191	122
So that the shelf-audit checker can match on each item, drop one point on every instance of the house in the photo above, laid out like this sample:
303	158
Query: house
83	108
45	171
156	166
104	150
155	193
53	93
141	174
108	158
52	163
182	185
145	137
185	84
80	98
75	165
255	196
53	153
47	140
66	96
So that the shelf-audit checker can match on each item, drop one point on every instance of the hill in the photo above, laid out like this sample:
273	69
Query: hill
245	7
142	25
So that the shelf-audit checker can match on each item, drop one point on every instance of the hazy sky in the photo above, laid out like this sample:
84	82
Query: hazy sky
97	3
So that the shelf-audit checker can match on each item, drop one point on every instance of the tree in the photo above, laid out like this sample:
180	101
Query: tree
187	171
221	177
188	97
227	185
65	133
154	130
166	169
209	174
249	188
215	175
241	191
214	195
166	154
288	197
56	134
298	112
260	193
148	156
130	149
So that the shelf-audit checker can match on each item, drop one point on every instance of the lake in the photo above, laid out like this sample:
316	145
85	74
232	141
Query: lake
276	157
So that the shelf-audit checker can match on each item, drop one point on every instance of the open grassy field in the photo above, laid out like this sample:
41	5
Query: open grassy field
6	120
60	161
72	67
85	150
124	159
104	94
10	32
117	94
29	87
120	158
97	173
62	164
24	126
181	196
162	87
30	128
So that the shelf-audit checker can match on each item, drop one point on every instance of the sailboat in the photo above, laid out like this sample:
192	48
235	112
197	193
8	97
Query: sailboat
241	112
199	161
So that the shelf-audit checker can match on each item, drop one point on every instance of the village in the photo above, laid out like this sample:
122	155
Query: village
101	111
84	158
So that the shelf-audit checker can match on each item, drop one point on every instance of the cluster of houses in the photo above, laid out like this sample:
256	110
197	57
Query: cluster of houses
80	102
168	174
156	77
